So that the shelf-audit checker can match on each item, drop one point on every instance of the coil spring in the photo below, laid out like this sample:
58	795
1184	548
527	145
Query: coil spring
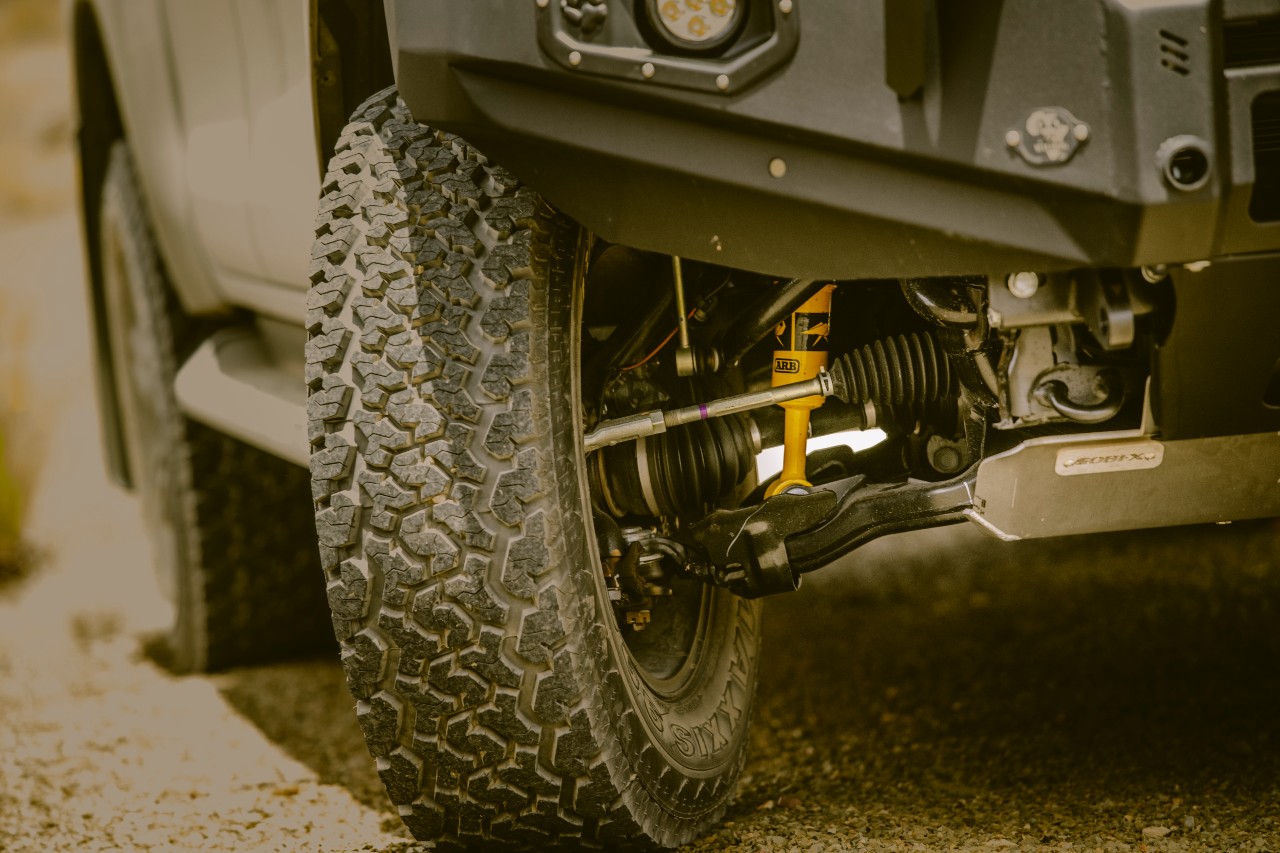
901	375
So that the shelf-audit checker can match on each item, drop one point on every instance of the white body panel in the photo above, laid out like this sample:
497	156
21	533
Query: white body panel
284	175
135	37
231	384
205	44
217	102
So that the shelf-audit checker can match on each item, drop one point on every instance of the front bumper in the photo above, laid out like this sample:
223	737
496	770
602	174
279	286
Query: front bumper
874	185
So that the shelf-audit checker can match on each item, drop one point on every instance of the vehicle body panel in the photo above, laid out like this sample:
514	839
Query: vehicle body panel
210	87
217	103
136	39
283	175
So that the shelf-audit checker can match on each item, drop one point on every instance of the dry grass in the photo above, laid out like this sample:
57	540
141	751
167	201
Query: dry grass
17	557
20	446
10	515
35	99
35	146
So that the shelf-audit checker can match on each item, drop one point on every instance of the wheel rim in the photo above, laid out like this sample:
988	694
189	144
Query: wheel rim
666	653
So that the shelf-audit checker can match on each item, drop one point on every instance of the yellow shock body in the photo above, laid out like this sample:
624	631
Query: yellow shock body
803	341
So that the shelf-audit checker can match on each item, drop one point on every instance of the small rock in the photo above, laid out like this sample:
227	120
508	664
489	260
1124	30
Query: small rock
1189	821
1001	842
767	805
1155	831
787	801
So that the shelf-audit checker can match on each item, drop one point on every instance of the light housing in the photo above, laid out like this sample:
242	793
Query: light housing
697	26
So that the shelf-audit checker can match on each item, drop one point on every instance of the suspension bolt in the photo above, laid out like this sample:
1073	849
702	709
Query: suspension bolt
947	460
946	457
1154	273
1024	284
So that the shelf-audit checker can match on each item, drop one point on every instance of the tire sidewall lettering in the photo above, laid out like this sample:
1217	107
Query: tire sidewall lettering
700	734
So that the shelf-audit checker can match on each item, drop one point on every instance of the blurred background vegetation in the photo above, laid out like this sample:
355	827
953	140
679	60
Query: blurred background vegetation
36	182
16	477
35	19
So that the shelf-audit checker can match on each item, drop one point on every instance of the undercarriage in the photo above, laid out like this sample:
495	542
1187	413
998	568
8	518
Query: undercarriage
1031	404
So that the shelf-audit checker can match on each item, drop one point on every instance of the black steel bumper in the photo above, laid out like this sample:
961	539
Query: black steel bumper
876	184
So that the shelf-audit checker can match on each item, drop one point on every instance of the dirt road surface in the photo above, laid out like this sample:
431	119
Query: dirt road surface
942	691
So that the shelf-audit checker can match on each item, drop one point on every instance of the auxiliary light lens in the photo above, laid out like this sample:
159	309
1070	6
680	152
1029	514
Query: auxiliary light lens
696	24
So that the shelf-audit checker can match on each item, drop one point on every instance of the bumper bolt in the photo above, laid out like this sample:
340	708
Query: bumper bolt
1024	284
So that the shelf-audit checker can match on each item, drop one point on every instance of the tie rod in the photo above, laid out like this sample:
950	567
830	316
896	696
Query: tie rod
632	427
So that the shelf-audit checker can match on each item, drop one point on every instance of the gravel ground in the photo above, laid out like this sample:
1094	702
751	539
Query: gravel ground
941	692
949	692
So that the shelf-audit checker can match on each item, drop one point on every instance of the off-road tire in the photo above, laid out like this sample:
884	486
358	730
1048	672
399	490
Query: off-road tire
493	684
228	523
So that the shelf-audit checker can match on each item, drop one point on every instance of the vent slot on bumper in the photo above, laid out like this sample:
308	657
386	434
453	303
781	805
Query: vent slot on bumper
1264	204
